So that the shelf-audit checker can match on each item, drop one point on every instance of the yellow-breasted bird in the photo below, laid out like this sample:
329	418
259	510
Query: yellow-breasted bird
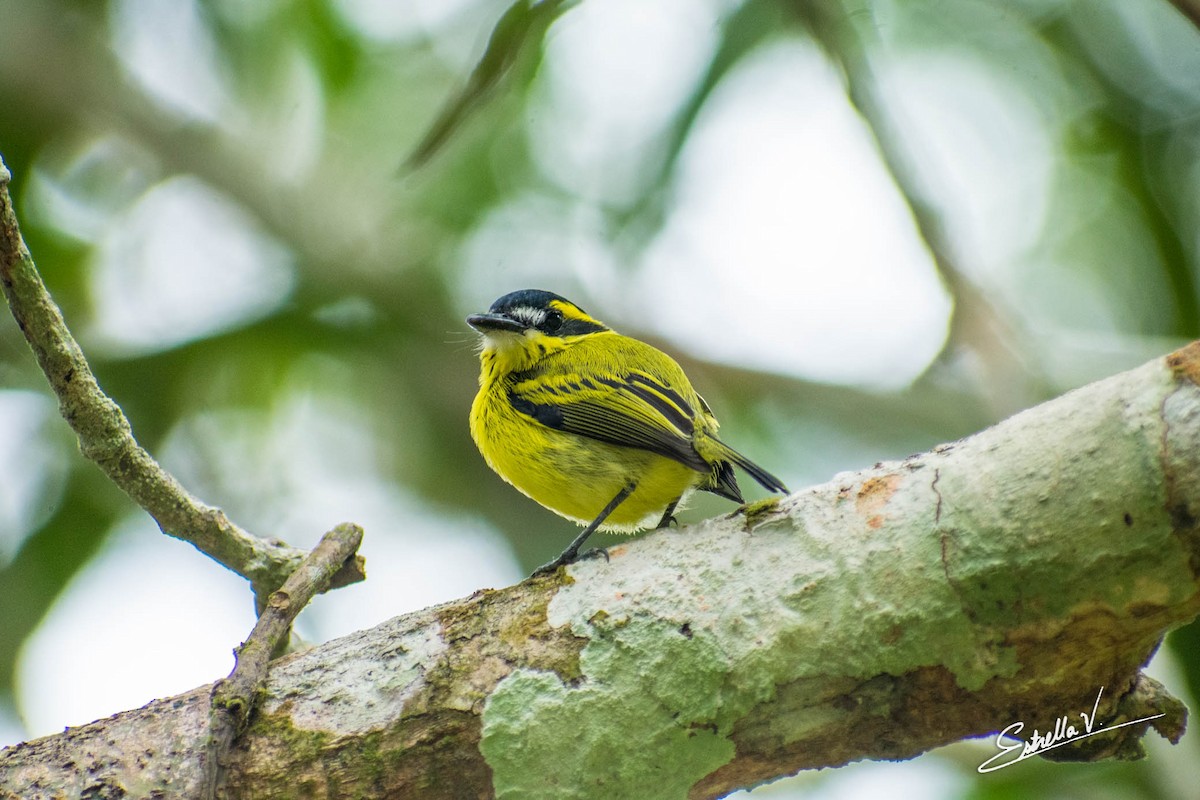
597	427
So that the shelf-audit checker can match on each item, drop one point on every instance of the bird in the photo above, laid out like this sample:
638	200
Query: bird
600	428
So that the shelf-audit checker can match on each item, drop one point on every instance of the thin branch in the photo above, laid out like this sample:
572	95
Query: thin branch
233	698
105	436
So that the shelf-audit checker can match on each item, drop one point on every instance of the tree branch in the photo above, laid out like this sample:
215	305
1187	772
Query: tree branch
1005	577
233	699
105	436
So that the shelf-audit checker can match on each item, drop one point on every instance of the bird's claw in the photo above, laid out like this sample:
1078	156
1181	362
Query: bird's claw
595	551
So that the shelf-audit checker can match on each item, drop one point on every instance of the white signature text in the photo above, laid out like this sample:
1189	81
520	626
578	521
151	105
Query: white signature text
1063	733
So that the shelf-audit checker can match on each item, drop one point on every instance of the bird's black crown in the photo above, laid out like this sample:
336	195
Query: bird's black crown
533	307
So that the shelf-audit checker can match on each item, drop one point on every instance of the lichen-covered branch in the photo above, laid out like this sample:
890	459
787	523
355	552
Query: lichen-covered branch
233	698
106	438
1006	577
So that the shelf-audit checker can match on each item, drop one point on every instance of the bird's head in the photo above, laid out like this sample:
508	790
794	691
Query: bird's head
525	326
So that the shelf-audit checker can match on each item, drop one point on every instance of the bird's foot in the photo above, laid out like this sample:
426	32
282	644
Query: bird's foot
595	552
568	558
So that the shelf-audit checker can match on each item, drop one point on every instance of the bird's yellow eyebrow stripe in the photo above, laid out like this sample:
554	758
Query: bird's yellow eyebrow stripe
570	311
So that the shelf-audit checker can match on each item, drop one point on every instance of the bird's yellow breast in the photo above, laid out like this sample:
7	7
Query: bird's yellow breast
572	475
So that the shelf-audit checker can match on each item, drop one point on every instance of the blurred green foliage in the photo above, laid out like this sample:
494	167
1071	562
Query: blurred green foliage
371	155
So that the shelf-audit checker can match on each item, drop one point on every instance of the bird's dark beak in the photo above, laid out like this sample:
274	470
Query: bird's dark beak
490	323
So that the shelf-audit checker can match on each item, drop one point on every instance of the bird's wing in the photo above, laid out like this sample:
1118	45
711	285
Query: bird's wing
630	408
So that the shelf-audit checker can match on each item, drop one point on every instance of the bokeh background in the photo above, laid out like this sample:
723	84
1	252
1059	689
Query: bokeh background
864	227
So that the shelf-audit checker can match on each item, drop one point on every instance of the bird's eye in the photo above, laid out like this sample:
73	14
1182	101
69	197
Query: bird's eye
552	322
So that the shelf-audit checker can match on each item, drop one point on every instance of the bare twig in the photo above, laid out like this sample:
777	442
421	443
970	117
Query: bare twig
233	698
106	438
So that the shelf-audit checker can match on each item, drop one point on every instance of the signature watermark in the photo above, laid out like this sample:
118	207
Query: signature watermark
1063	733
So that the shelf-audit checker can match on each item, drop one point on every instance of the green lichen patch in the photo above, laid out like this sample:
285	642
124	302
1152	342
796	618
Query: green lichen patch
664	664
759	511
543	739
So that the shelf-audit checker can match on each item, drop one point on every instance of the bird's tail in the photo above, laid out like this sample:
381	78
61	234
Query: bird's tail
723	481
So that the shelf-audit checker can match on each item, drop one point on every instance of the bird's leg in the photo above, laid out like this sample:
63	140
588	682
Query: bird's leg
668	515
572	550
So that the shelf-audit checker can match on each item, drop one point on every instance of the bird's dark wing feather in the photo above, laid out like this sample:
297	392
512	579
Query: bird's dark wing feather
633	409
